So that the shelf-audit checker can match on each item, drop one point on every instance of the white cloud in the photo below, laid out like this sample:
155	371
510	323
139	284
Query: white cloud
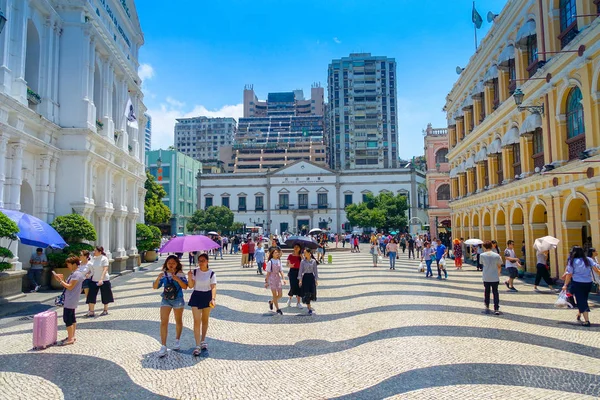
338	41
145	71
164	118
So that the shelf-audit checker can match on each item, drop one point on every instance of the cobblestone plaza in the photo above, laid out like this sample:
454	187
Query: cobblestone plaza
376	334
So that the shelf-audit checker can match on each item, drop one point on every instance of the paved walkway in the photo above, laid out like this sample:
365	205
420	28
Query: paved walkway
376	334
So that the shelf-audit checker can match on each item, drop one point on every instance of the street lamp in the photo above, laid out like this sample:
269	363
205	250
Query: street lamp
2	21
518	96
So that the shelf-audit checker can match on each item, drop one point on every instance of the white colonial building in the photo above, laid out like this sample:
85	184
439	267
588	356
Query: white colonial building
307	194
67	72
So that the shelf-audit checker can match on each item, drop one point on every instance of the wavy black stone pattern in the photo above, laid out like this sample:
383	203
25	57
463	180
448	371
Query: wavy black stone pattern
226	350
483	374
78	376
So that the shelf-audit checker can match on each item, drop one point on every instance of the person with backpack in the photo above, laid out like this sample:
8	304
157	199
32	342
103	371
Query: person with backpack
202	300
275	279
72	291
174	281
259	255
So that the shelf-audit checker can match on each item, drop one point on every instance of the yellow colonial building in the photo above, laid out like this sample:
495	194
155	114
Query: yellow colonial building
524	129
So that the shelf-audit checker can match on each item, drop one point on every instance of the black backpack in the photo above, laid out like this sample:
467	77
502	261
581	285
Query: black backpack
170	292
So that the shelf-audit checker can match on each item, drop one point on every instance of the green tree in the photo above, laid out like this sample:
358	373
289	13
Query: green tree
74	229
214	218
8	230
155	211
384	211
148	237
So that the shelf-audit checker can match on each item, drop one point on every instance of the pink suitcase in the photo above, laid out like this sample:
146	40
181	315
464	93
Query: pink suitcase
45	329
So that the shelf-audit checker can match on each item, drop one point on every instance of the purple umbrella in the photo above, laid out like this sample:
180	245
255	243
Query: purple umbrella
186	244
33	231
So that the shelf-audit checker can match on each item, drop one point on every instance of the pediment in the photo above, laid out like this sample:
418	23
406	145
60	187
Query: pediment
225	195
242	194
303	190
259	194
209	195
322	190
303	167
284	190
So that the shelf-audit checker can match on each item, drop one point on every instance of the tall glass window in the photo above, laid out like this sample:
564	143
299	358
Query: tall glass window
347	200
568	21
575	125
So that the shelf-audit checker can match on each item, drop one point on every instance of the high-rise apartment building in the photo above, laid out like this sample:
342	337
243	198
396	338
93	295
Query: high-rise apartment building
362	113
276	132
202	137
148	133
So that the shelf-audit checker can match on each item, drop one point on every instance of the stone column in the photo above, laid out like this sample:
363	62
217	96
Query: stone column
43	189
4	138
470	180
507	164
527	153
460	129
52	189
480	173
15	180
467	120
477	109
503	81
17	33
489	99
493	170
5	56
461	185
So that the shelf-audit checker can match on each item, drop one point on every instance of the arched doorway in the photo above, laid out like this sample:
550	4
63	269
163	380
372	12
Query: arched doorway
466	227
575	221
500	229
32	57
486	226
539	221
476	231
517	230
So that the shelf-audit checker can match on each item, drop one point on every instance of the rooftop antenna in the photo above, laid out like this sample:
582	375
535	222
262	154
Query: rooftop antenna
491	17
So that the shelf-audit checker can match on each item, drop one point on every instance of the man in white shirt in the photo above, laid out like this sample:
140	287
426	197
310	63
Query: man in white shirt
511	264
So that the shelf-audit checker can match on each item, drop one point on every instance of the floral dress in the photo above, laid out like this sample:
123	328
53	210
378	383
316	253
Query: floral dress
274	267
458	251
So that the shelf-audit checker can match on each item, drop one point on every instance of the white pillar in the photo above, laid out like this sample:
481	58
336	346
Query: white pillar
16	178
17	46
5	42
52	188
3	141
43	189
131	240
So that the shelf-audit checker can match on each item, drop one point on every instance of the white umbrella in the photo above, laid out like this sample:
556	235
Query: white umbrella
212	233
315	230
545	243
473	242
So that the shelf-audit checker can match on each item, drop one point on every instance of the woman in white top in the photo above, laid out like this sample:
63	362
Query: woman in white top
100	281
202	301
85	266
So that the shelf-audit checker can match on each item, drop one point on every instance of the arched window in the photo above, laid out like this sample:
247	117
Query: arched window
568	21
440	156
575	124
32	65
443	192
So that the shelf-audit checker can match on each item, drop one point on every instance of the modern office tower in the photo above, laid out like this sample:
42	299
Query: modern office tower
362	114
201	137
148	133
283	129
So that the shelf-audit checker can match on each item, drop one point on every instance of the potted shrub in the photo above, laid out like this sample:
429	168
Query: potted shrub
8	230
74	229
148	240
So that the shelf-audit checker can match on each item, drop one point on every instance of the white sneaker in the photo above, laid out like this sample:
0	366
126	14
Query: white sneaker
177	345
299	306
289	302
37	288
163	351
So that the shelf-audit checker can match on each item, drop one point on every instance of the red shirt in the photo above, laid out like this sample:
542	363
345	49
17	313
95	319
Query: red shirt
294	261
245	248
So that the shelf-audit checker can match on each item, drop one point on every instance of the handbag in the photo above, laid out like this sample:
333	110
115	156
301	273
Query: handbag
421	267
562	301
443	262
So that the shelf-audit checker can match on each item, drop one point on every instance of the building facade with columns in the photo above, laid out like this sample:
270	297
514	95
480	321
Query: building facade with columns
67	73
525	172
308	194
438	181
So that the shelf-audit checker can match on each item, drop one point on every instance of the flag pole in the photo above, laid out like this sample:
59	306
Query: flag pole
475	29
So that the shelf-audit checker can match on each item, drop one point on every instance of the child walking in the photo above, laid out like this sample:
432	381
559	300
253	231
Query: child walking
308	277
72	292
275	279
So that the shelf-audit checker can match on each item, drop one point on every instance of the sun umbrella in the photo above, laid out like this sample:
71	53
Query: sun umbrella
315	230
303	241
35	232
212	233
186	244
473	242
545	243
393	233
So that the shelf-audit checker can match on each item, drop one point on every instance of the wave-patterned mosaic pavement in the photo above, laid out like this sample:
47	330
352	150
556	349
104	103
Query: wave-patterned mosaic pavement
376	334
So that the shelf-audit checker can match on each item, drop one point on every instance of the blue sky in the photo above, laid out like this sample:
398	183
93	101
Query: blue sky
198	55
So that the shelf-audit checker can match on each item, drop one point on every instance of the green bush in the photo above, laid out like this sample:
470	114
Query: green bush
75	248
8	230
74	228
148	237
58	260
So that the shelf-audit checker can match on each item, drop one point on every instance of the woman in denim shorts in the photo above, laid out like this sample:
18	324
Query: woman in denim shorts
174	281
